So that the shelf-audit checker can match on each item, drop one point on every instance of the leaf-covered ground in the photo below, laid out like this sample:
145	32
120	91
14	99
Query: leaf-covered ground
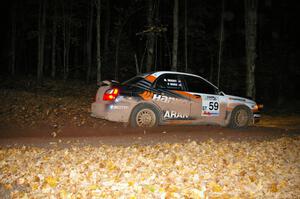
268	168
226	169
290	121
54	106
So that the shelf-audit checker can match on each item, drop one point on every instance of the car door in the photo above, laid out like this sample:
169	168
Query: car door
168	96
209	107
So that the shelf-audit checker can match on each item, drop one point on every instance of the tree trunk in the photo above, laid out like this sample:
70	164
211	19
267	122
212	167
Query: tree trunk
64	40
118	39
155	57
143	58
136	64
89	41
67	50
107	31
250	33
117	54
168	49
221	38
185	36
211	68
98	41
41	41
175	36
122	22
13	38
67	39
150	38
54	35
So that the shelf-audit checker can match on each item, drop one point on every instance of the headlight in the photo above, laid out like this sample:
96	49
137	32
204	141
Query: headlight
260	106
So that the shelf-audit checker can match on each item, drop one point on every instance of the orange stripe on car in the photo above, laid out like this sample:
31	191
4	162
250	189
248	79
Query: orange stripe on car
150	78
146	95
191	96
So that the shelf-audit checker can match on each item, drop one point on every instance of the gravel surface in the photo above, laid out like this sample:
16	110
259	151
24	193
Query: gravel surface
189	169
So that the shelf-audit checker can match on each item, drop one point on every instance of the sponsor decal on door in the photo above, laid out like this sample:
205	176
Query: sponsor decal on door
175	115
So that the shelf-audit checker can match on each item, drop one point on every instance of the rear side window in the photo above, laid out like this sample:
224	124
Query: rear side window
170	82
198	85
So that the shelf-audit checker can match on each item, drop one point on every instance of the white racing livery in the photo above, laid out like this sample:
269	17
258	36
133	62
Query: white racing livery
167	97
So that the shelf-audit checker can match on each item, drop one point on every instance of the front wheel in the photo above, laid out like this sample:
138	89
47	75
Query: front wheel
144	115
240	117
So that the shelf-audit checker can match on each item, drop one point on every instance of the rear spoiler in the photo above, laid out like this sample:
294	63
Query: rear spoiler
108	83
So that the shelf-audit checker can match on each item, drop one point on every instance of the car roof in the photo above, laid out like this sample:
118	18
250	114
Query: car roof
159	73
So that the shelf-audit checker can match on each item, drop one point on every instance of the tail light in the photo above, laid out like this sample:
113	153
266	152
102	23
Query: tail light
111	94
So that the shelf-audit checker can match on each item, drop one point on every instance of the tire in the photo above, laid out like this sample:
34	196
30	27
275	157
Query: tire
144	115
241	117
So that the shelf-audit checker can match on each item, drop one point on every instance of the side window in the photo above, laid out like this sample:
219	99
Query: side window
170	82
198	85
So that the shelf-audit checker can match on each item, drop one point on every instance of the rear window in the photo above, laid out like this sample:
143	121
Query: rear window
132	81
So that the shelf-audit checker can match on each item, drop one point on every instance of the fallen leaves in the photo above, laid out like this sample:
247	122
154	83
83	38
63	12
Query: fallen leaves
226	169
25	109
51	181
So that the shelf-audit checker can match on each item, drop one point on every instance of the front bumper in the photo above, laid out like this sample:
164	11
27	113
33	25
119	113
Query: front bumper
256	117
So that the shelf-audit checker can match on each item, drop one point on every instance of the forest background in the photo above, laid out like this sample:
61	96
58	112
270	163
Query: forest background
246	48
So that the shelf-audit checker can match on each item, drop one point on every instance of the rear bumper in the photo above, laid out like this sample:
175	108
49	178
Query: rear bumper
111	112
98	110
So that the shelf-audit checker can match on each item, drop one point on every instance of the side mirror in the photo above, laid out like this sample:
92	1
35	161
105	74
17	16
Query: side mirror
221	93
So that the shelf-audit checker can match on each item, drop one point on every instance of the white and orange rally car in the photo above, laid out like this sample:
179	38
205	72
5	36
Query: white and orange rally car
167	97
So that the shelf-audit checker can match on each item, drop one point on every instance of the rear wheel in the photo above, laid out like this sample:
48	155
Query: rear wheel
144	115
240	117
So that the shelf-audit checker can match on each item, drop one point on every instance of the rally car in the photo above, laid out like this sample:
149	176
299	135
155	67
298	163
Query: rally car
167	97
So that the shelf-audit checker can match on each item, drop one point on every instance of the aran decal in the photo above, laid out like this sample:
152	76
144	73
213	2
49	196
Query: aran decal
174	115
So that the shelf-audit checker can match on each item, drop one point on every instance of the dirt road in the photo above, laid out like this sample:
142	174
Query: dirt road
62	117
115	134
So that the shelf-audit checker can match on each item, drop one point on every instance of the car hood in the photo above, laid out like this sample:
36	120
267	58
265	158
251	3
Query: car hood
233	98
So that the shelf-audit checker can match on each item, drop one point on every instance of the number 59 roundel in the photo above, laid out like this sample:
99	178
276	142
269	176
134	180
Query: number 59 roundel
210	106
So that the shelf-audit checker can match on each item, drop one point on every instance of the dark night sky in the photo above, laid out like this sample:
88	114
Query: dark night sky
277	66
